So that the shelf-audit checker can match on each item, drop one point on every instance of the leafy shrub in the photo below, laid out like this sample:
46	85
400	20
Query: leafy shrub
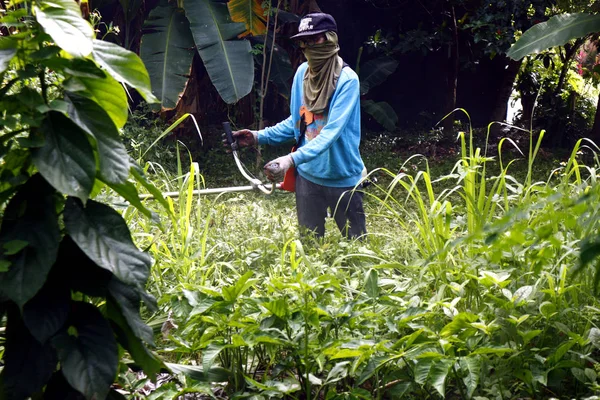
71	278
464	288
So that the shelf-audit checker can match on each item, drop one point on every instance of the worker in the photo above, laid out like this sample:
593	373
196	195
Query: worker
325	123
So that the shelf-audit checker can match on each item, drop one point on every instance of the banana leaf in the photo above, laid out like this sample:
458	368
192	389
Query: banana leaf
557	31
375	72
167	51
229	62
249	12
382	112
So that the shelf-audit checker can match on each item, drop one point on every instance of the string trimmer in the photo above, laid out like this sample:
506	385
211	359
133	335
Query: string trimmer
255	183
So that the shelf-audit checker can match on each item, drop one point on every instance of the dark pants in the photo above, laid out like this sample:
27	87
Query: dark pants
312	201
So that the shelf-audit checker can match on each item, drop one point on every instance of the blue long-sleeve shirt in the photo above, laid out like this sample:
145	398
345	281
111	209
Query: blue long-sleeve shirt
328	154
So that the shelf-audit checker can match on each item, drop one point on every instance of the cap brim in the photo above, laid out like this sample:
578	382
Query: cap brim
311	33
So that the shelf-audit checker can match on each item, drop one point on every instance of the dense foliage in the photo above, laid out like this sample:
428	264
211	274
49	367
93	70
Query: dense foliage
71	277
473	284
480	280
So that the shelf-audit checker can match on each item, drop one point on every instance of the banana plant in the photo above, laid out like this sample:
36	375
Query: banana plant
372	74
557	31
175	31
249	12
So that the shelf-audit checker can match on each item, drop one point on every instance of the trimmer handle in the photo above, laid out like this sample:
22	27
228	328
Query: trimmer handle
229	135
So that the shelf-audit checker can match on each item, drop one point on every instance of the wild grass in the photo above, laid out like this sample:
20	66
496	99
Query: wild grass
464	287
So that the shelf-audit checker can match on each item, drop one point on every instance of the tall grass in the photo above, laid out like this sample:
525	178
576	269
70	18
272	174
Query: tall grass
481	301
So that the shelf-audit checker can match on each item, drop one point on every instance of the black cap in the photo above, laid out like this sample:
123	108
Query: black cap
315	23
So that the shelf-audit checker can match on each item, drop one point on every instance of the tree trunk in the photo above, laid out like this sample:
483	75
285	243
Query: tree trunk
452	81
557	138
570	52
506	88
595	134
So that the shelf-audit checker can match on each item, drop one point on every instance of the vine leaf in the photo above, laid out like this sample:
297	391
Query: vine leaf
29	217
88	359
61	19
66	160
125	66
104	237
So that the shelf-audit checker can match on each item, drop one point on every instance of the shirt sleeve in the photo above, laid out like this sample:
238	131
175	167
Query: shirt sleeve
340	113
281	133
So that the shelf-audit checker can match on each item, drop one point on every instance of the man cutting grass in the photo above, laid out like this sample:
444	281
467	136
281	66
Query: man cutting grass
325	123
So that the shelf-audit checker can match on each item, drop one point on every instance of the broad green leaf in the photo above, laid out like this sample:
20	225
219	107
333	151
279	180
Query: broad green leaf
89	360
382	112
372	284
471	379
229	63
8	49
28	365
539	373
66	160
81	68
61	19
522	294
338	372
30	217
591	375
560	352
524	374
14	246
104	237
215	374
149	362
314	380
210	354
527	336
250	13
167	51
129	300
89	116
422	370
231	293
375	72
81	273
557	31
278	307
547	309
106	91
460	322
438	374
398	391
125	66
47	312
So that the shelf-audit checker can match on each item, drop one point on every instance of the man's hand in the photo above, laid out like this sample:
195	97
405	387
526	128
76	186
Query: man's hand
243	138
276	169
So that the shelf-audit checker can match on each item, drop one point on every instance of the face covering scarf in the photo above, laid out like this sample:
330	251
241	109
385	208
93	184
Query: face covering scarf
324	68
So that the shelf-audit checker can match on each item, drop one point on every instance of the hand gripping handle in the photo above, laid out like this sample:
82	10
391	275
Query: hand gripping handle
229	135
